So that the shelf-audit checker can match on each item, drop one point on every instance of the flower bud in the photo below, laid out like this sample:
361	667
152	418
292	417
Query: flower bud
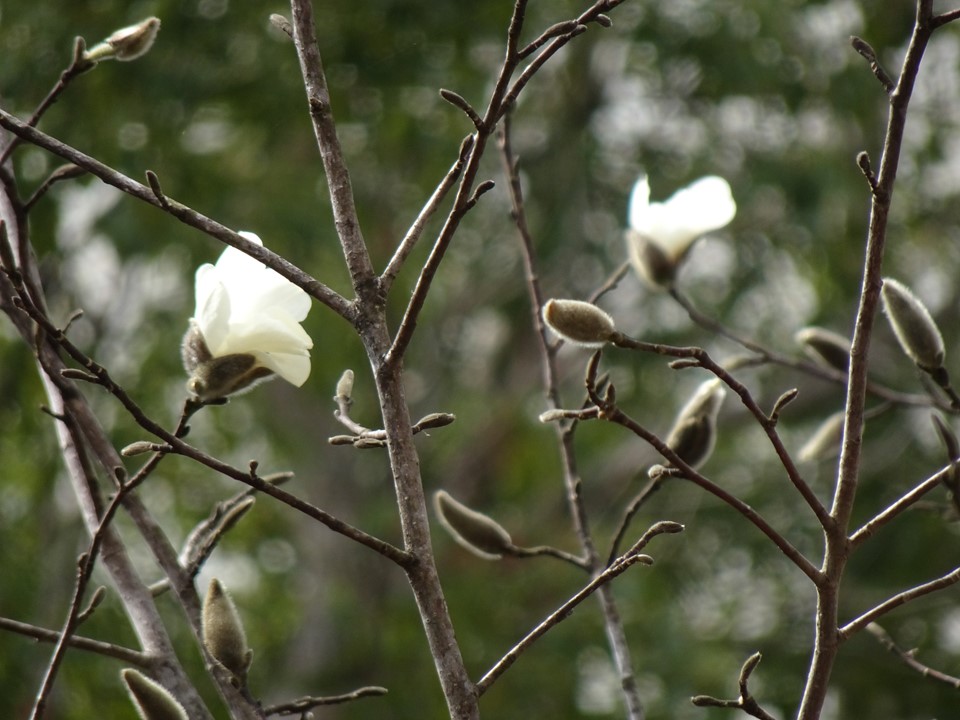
474	531
825	442
345	386
223	634
152	700
579	322
916	331
127	43
694	432
827	348
138	448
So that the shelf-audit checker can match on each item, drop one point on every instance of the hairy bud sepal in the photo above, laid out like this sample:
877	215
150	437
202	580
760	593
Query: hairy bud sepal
825	442
825	347
474	531
917	333
152	700
223	634
694	432
127	43
579	322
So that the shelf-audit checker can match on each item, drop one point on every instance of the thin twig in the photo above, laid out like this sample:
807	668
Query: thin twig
859	623
746	701
616	632
78	66
184	214
180	447
118	652
909	658
304	704
429	209
338	176
623	563
897	507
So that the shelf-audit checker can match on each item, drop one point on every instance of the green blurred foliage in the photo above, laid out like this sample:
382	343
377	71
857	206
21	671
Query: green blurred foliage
769	95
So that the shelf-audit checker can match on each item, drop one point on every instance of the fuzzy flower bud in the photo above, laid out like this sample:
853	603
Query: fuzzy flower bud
127	43
825	442
694	432
661	234
345	386
579	322
916	331
152	700
825	347
223	634
474	531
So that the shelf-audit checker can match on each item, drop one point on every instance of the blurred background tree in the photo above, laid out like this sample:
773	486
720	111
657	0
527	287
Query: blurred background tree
768	95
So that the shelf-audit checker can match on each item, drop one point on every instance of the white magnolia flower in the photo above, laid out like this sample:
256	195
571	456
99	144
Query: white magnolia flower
661	234
246	327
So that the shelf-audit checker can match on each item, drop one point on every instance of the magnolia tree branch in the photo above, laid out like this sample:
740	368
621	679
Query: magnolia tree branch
837	550
610	412
118	652
907	656
338	177
621	565
613	624
942	582
313	287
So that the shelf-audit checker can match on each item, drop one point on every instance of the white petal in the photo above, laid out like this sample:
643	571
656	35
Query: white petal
295	369
212	313
268	334
705	205
639	202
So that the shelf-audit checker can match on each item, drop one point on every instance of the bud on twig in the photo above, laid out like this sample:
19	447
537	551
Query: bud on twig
915	329
825	347
579	322
223	634
128	43
152	700
694	432
474	531
825	443
345	387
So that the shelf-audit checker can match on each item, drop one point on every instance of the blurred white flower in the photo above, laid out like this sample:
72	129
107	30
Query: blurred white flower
661	234
246	327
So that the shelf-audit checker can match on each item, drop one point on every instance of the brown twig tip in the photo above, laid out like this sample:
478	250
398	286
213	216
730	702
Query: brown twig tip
863	162
461	103
483	188
154	182
788	397
869	54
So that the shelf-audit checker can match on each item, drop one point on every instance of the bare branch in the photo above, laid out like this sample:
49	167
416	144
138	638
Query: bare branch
854	626
304	704
126	655
868	54
338	176
623	563
185	214
909	659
